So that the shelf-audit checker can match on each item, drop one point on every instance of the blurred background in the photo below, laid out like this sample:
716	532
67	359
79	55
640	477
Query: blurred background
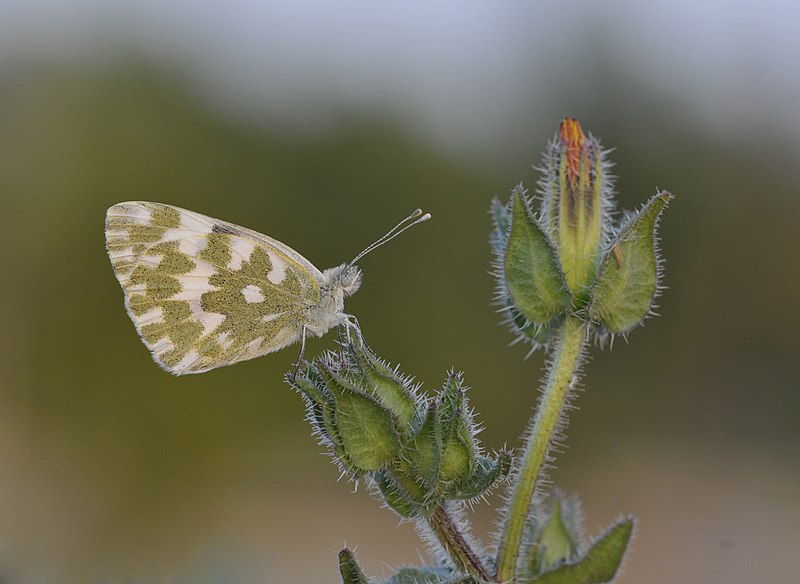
321	124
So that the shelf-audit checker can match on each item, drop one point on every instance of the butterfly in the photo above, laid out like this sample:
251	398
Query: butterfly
204	293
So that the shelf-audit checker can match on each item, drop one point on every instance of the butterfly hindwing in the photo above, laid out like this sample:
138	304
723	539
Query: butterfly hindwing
204	293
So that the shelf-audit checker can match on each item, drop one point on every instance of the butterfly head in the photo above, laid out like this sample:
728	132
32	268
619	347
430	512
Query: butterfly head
346	277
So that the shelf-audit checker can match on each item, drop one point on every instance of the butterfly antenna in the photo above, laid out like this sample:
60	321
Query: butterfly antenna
415	217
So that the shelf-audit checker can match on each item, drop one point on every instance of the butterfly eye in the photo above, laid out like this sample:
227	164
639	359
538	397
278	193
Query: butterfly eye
350	280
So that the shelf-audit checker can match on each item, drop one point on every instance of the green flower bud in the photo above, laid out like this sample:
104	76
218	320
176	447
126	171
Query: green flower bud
576	211
367	431
346	396
557	554
599	564
349	569
419	452
557	539
568	258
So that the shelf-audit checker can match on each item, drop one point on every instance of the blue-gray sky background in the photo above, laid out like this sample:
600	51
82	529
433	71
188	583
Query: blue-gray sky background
321	124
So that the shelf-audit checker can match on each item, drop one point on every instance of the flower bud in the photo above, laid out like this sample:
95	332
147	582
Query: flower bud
558	554
568	259
576	211
347	395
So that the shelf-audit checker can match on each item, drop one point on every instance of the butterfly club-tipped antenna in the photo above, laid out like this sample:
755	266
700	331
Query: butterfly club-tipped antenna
415	217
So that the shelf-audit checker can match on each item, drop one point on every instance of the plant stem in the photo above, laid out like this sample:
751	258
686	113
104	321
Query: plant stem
456	545
561	375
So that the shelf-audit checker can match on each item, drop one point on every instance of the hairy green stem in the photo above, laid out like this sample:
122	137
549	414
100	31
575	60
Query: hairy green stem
560	377
456	545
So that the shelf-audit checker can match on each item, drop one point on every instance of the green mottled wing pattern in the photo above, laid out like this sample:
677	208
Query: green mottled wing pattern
204	293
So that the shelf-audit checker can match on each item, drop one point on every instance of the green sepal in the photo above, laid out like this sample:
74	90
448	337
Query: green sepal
321	408
627	279
502	225
397	496
389	387
537	333
307	383
426	451
318	401
486	474
531	268
458	449
349	569
598	565
367	430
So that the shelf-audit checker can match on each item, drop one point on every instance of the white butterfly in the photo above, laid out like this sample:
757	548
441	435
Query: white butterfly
204	293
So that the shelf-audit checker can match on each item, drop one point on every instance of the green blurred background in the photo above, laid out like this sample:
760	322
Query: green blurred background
322	124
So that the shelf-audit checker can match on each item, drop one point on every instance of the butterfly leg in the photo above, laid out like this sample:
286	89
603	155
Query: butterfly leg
300	354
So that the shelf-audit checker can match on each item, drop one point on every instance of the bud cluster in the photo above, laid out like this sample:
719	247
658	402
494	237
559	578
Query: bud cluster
418	451
569	258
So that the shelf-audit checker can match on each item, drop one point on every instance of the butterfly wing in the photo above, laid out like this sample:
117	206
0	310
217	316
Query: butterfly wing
204	293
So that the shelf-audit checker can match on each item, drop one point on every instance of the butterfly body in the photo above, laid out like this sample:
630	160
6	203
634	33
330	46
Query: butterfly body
204	293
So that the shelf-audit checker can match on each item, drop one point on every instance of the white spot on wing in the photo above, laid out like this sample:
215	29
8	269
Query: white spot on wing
210	321
278	271
189	242
241	250
162	345
131	210
152	316
115	250
192	288
254	345
188	360
271	317
192	223
224	340
252	293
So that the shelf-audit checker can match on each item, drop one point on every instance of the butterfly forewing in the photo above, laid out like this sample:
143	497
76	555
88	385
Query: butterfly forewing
204	293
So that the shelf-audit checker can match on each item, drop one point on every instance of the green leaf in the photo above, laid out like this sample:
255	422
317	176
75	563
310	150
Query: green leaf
627	281
532	273
599	564
349	568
